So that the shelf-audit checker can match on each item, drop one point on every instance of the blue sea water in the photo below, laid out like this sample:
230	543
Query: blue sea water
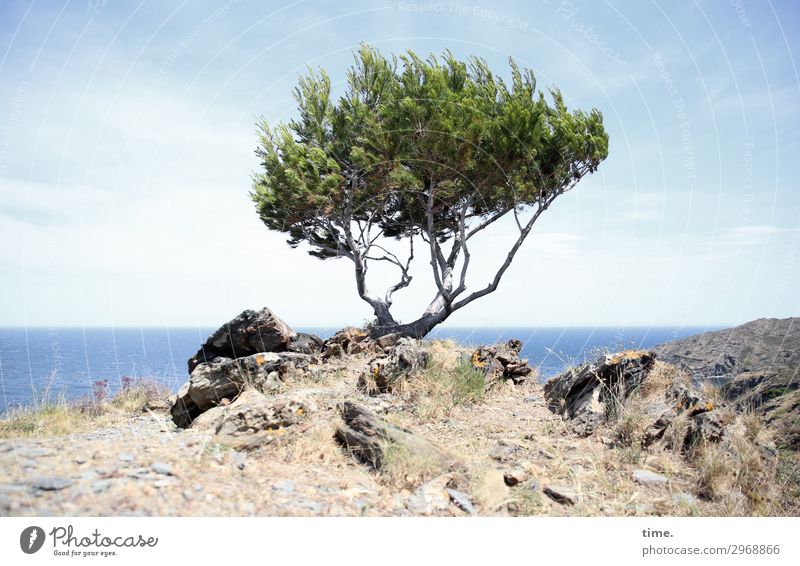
69	360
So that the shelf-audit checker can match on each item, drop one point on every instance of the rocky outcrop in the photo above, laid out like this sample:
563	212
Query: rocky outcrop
758	364
211	383
501	362
385	373
255	419
765	344
585	394
256	348
349	341
367	436
251	332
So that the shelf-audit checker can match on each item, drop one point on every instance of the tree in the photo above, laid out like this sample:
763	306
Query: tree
429	150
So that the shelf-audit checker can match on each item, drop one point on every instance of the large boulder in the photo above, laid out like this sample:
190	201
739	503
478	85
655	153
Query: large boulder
585	394
385	373
255	419
249	333
223	378
500	362
351	341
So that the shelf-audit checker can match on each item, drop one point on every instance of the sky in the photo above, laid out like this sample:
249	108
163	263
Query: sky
127	137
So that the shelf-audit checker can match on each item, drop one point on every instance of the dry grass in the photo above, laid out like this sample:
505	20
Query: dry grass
448	382
738	474
402	468
55	415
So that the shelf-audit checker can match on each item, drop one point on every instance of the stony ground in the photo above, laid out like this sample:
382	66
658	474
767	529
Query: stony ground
144	465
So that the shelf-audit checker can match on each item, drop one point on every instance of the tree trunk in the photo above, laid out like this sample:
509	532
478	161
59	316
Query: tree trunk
417	329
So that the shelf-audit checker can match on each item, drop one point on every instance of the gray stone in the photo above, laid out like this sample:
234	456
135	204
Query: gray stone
126	457
50	483
31	452
239	459
285	486
516	475
461	500
684	498
504	452
562	494
162	468
646	477
100	486
431	497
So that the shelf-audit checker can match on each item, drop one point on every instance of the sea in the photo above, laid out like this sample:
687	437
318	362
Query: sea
45	364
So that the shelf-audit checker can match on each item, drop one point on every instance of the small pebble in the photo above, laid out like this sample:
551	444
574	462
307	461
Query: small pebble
162	468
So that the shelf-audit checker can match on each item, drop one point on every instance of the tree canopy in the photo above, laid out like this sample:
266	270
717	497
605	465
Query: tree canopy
433	149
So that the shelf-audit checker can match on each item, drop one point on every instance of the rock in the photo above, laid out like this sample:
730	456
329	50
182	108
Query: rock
684	498
251	332
126	457
561	494
162	468
239	459
388	341
157	406
655	430
492	489
223	378
385	373
582	394
304	343
99	486
365	436
461	500
516	475
255	419
431	497
504	452
49	483
646	477
333	351
500	362
349	341
708	426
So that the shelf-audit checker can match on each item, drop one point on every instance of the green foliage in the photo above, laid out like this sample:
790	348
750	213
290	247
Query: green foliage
407	125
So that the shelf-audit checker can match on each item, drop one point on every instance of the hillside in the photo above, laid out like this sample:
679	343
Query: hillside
357	426
761	363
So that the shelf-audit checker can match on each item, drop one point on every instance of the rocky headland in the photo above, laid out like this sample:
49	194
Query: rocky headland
276	422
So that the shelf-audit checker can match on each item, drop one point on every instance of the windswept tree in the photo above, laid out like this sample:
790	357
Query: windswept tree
428	152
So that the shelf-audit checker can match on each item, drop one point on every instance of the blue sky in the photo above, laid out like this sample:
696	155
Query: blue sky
127	137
